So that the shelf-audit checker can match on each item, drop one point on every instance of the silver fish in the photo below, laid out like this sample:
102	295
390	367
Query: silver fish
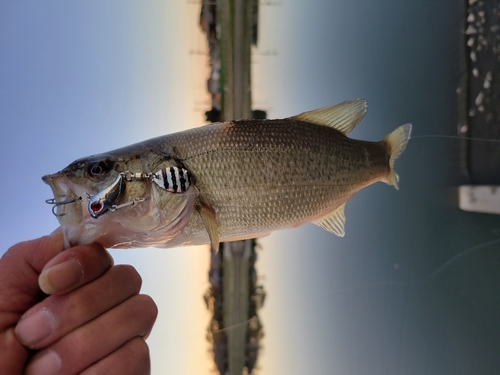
240	179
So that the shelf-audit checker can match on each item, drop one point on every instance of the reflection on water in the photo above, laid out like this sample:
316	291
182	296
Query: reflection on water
413	287
234	298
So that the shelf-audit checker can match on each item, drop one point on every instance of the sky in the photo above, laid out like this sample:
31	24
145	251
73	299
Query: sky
79	78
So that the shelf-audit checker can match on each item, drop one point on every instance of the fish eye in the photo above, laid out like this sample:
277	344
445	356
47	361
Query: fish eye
98	168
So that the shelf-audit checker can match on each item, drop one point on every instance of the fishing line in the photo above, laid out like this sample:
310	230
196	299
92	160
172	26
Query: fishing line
453	259
218	330
421	279
234	326
457	137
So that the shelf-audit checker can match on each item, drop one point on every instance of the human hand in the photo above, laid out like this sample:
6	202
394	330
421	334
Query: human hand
93	322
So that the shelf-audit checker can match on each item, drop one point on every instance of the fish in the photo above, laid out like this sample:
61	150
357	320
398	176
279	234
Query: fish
225	181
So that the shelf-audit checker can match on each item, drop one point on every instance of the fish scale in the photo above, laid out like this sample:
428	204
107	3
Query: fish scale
247	179
232	162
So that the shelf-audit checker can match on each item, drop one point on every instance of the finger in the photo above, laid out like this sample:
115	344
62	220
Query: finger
74	267
97	339
13	356
40	251
57	315
19	270
131	358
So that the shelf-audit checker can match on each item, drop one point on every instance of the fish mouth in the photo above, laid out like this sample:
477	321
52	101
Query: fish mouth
69	207
67	202
136	225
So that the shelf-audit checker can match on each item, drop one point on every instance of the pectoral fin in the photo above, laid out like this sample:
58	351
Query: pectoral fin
207	214
333	222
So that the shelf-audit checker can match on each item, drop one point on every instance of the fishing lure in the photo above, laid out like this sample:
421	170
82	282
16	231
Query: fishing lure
172	179
104	201
176	180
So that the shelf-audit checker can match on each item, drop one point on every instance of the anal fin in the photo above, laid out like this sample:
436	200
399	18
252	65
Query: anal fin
334	222
207	214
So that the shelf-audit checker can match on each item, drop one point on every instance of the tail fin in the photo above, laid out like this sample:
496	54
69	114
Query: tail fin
396	142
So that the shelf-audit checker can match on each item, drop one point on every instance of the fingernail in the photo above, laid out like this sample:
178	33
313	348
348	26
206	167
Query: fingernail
35	327
60	277
47	364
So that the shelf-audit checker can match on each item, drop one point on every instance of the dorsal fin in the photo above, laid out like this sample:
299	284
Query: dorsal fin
343	116
333	222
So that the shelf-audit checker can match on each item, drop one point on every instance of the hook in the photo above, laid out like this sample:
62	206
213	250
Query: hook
56	204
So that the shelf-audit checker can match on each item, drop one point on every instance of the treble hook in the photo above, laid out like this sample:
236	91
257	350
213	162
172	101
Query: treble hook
56	204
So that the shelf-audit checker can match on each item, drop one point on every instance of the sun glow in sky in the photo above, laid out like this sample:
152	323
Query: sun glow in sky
81	78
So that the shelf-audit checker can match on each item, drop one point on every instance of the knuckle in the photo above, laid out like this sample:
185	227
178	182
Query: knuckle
130	275
131	358
150	306
96	255
146	309
93	258
139	350
105	256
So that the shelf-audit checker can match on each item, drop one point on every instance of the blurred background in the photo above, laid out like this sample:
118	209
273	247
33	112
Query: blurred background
413	287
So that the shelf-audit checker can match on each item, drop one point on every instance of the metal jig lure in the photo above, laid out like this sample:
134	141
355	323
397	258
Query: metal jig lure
104	200
172	179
